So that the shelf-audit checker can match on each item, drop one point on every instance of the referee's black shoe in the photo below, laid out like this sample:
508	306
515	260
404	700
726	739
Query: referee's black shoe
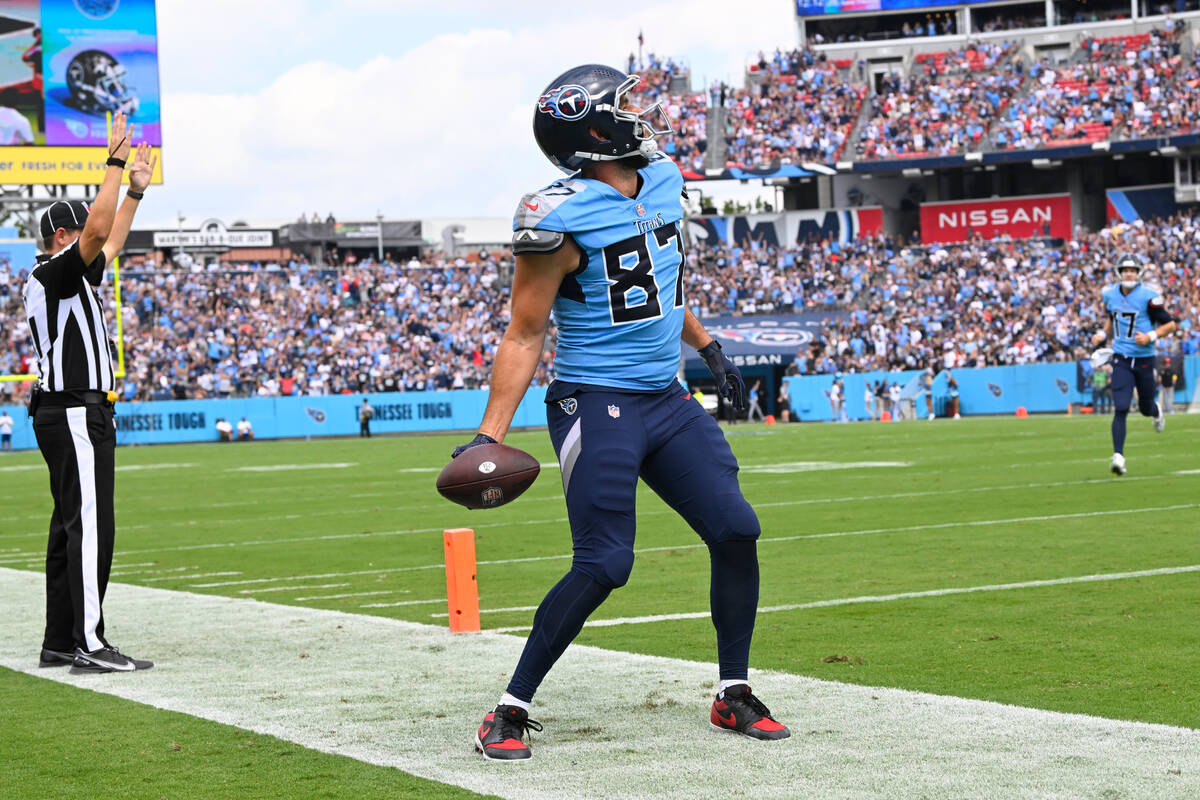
56	658
106	659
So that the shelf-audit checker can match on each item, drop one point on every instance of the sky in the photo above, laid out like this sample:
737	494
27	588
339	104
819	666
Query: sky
273	108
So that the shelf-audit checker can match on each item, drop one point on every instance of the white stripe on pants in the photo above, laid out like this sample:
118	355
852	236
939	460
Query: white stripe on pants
85	459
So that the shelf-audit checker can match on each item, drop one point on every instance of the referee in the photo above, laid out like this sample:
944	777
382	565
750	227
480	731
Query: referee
72	407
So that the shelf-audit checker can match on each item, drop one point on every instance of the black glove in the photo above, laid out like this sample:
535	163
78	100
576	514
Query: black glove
729	378
479	439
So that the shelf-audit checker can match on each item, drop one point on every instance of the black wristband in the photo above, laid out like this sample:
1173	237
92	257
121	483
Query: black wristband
136	195
113	161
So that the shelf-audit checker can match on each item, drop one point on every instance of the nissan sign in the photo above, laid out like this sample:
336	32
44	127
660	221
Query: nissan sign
1018	217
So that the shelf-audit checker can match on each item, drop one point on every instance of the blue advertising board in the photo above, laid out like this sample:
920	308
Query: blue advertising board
166	421
990	390
987	390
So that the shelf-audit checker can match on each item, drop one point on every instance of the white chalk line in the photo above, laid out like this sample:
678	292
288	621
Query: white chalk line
293	467
404	603
698	545
321	679
305	588
783	469
652	511
886	598
351	594
191	577
493	611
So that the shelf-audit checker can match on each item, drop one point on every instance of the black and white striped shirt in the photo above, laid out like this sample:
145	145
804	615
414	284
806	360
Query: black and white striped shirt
66	322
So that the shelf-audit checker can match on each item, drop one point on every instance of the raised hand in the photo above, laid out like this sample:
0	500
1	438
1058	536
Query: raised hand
142	168
118	138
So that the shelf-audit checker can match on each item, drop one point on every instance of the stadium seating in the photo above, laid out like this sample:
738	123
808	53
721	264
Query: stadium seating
946	105
434	323
798	108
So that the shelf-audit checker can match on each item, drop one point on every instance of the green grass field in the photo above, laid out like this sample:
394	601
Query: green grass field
355	526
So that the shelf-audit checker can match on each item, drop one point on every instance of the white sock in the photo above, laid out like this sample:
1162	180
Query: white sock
723	685
507	699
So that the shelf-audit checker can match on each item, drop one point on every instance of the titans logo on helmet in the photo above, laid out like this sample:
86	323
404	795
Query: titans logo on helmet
568	102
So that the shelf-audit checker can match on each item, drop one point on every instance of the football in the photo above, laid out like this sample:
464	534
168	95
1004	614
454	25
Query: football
488	475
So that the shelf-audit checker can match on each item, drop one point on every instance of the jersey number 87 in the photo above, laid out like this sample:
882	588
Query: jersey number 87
629	266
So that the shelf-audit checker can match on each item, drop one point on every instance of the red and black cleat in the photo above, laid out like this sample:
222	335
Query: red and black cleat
500	736
738	710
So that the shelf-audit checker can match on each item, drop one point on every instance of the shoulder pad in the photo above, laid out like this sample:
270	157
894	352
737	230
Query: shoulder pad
531	240
535	207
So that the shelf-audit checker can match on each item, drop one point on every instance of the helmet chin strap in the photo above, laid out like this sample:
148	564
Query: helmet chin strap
646	147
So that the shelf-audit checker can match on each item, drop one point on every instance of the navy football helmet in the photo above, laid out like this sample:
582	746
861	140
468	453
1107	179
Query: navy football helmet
590	97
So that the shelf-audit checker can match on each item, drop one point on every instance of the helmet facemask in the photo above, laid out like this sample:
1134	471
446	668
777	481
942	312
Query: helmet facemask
1125	266
642	123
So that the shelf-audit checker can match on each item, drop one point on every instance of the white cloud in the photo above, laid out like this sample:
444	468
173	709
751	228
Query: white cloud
441	129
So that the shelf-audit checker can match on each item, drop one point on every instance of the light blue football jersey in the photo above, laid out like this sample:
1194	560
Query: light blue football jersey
1130	314
620	315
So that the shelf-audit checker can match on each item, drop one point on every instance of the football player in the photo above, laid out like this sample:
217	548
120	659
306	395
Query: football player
602	249
1136	318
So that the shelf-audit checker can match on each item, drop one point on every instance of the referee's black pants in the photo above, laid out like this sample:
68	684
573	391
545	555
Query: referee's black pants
78	444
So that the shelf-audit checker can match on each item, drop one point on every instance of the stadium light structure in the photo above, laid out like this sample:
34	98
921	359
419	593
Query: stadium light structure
845	166
976	157
1102	147
911	172
1169	150
379	234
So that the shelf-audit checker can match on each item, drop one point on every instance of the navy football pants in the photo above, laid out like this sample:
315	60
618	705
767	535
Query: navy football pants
1128	373
605	441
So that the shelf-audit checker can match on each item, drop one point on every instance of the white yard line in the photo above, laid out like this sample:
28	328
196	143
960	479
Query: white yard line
351	594
698	545
306	587
750	488
191	577
492	611
18	560
617	724
881	598
405	603
293	467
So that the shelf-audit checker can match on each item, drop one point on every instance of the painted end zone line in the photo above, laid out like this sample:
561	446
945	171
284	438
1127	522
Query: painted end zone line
326	680
884	598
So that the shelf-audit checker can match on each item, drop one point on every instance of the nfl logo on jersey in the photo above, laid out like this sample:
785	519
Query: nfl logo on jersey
640	209
614	411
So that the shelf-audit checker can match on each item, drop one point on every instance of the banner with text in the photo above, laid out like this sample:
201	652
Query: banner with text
167	421
785	228
1018	217
65	67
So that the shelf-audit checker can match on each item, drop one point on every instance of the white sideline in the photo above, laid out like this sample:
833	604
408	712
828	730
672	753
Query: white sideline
617	724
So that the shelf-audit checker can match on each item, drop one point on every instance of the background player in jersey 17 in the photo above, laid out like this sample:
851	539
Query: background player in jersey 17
1135	316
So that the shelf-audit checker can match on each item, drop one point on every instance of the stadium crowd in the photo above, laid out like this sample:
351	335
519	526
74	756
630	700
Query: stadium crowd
799	108
1128	87
987	303
799	105
944	106
688	113
435	322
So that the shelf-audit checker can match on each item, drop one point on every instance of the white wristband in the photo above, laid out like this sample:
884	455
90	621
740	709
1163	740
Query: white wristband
1154	336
